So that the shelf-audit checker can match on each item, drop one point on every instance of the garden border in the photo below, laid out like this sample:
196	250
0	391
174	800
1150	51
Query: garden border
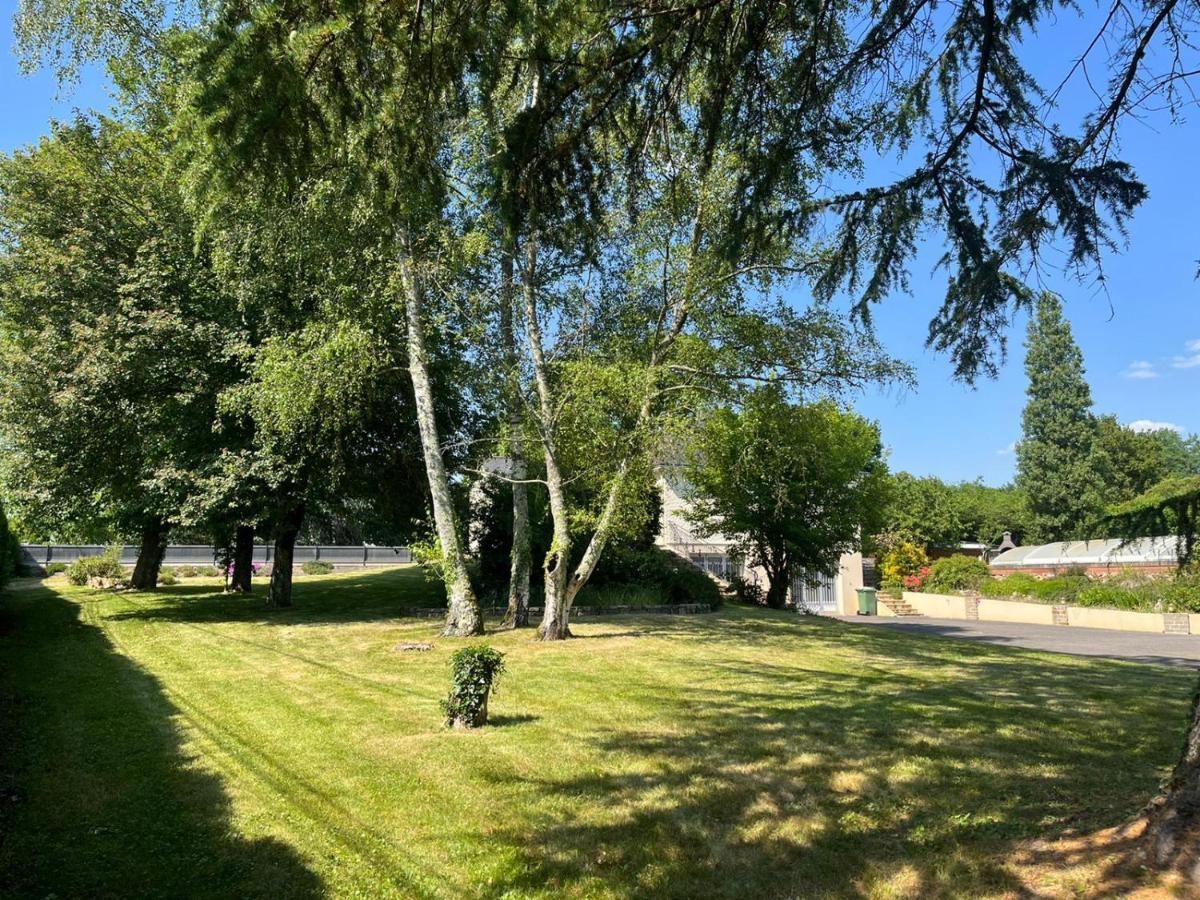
991	609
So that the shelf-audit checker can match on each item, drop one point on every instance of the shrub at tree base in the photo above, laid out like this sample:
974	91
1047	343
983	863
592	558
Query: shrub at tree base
167	578
316	567
103	570
957	573
474	669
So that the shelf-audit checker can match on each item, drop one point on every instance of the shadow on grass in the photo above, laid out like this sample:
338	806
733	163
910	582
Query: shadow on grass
920	771
365	596
99	798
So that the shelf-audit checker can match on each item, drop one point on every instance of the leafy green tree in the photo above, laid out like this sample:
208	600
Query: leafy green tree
795	485
1125	462
925	509
987	512
1054	455
1180	454
113	346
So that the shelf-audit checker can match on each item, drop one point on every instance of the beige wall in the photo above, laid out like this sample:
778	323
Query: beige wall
993	610
950	606
1119	619
937	606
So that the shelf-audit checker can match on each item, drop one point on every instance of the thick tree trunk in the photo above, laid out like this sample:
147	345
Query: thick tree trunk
152	548
243	560
286	529
777	592
1173	826
463	615
517	615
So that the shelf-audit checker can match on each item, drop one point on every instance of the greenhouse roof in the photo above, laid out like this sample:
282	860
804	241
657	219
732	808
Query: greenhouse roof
1101	552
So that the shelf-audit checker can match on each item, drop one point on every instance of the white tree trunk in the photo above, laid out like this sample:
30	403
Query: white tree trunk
463	616
517	615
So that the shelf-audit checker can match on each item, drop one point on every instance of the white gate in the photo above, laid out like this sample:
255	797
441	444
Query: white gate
815	594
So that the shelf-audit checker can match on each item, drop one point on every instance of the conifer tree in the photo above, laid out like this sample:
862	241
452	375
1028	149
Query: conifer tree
1059	430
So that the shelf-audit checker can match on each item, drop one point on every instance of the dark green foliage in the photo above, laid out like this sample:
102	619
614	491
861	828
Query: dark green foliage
474	670
1171	507
55	568
107	566
317	567
747	592
956	573
1054	456
670	578
10	550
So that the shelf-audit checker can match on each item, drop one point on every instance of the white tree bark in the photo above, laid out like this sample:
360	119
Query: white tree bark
463	615
517	615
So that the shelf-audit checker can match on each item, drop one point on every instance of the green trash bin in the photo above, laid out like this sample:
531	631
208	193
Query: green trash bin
867	604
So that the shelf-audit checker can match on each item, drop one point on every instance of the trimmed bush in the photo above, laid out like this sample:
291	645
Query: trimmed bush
186	571
316	567
107	567
674	579
167	577
956	573
55	568
207	571
474	670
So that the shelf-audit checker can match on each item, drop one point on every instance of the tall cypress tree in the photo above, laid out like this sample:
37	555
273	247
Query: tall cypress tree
1058	430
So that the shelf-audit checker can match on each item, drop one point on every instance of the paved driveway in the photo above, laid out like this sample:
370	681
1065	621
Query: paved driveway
1161	649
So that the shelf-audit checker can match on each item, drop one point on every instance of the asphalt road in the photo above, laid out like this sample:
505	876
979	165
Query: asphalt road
1161	649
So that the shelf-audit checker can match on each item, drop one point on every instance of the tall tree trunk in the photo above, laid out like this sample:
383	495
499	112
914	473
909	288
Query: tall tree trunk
243	560
556	615
463	615
517	615
152	548
286	529
1174	818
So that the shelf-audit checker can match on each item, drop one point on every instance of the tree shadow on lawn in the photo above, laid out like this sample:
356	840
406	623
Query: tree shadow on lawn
99	798
764	779
368	596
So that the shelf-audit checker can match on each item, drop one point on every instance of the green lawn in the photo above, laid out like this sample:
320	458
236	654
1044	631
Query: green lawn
190	744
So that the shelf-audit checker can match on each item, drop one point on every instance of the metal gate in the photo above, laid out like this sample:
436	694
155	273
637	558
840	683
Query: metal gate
815	594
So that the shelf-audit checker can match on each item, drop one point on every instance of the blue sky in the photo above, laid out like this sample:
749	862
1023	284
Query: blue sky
1140	341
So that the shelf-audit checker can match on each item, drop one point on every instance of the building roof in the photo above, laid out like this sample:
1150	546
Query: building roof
1100	552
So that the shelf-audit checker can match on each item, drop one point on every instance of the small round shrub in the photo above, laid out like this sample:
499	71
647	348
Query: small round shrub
55	568
207	571
474	670
167	577
956	573
107	567
186	571
316	567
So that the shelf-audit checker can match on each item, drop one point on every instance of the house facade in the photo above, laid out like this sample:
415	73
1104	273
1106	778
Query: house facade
717	555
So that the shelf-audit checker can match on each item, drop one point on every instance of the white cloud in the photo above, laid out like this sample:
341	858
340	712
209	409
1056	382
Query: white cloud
1151	425
1141	369
1191	359
1007	451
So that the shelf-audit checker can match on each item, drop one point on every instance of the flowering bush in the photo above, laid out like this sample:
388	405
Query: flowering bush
916	582
903	559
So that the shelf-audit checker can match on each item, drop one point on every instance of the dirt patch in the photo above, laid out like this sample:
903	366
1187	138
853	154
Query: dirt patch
412	646
1105	863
